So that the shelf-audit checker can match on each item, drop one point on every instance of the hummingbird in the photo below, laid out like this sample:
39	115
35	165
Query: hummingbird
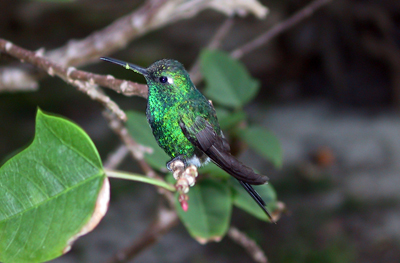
185	125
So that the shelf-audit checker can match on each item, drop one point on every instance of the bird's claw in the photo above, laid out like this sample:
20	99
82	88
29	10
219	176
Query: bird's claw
185	178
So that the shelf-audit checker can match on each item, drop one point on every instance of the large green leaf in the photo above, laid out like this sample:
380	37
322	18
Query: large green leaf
243	200
140	130
263	142
208	216
48	192
227	80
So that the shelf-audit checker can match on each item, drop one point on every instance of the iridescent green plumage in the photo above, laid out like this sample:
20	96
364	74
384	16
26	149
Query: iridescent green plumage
185	125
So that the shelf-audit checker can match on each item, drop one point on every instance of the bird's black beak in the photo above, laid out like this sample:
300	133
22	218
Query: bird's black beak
127	65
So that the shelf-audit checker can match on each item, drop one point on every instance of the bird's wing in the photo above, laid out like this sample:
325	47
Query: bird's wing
203	136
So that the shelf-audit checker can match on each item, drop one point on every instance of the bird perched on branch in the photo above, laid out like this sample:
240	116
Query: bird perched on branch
185	124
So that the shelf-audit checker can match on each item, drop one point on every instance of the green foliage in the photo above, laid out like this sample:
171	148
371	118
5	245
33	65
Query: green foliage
48	191
228	81
210	206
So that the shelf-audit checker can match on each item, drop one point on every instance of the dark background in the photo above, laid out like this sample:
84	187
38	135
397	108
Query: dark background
330	91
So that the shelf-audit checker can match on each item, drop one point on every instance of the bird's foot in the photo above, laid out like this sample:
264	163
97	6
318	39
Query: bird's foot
185	178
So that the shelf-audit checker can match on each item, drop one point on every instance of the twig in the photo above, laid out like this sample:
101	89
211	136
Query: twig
166	219
248	244
221	33
261	40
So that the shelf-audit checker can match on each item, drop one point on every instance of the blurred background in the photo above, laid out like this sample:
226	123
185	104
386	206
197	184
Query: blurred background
330	91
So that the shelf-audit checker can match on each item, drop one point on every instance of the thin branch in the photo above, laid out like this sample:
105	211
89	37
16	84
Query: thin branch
277	29
166	219
248	244
220	34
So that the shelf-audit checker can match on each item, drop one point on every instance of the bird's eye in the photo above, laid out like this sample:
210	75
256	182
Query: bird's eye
163	79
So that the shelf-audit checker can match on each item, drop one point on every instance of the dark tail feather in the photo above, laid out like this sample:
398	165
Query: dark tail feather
202	135
234	167
256	198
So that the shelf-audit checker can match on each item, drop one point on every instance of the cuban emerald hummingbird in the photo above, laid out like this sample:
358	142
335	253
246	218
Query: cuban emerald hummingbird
185	124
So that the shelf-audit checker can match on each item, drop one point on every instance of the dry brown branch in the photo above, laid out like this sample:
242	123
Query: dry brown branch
263	39
166	219
248	244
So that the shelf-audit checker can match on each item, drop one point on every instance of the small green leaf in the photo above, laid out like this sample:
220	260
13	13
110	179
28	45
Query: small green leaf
227	80
48	192
209	213
243	200
227	119
264	143
140	130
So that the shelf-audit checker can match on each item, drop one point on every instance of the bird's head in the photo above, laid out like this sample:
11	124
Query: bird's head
166	74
